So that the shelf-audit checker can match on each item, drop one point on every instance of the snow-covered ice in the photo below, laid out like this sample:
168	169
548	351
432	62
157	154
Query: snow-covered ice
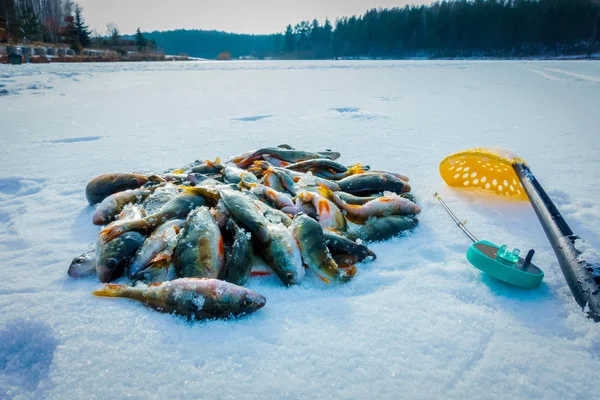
419	322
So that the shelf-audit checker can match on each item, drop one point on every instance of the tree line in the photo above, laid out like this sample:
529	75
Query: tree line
452	28
449	28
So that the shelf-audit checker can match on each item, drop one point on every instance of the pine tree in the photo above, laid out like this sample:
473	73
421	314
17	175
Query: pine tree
81	32
289	40
140	40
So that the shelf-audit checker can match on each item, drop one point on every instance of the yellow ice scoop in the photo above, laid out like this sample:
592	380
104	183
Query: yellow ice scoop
487	169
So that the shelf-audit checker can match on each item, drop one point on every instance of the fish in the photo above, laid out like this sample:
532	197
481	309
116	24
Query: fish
113	256
271	180
160	197
332	155
83	265
273	215
160	269
232	174
365	184
290	156
399	176
309	236
307	208
197	179
208	167
386	205
274	198
344	260
246	214
113	204
200	250
384	228
337	243
132	211
357	200
161	241
336	176
328	215
283	256
177	207
238	263
192	298
103	186
317	165
306	180
275	178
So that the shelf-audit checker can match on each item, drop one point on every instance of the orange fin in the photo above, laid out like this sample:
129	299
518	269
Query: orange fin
110	290
260	273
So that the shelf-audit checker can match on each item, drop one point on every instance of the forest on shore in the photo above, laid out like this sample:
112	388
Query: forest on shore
455	28
449	28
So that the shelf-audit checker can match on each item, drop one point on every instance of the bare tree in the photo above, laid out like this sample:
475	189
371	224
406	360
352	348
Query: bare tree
113	33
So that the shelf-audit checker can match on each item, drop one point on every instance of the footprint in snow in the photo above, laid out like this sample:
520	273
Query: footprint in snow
26	354
252	118
76	139
342	110
14	186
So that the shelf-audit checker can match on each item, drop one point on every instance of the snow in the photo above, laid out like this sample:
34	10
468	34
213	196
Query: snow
419	322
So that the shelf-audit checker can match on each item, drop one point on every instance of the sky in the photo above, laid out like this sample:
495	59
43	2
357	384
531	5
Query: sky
240	16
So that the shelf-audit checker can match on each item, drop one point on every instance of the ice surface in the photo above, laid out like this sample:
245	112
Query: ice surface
419	322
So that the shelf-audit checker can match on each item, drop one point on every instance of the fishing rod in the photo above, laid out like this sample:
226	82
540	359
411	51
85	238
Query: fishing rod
498	261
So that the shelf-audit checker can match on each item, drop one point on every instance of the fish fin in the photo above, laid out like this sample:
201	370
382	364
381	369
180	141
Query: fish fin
349	274
118	228
213	163
160	257
327	281
176	229
325	192
356	169
178	171
110	290
202	191
260	273
246	185
155	284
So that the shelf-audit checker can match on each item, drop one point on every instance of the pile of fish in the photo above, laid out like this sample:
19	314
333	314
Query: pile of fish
186	240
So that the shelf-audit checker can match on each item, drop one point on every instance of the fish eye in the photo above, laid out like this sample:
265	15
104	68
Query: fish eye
112	263
290	276
79	260
247	302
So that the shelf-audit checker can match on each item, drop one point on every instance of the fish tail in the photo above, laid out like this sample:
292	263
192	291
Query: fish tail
111	290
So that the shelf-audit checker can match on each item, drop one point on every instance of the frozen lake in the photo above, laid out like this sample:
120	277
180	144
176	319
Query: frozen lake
419	322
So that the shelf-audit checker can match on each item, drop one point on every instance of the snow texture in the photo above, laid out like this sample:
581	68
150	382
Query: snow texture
419	322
